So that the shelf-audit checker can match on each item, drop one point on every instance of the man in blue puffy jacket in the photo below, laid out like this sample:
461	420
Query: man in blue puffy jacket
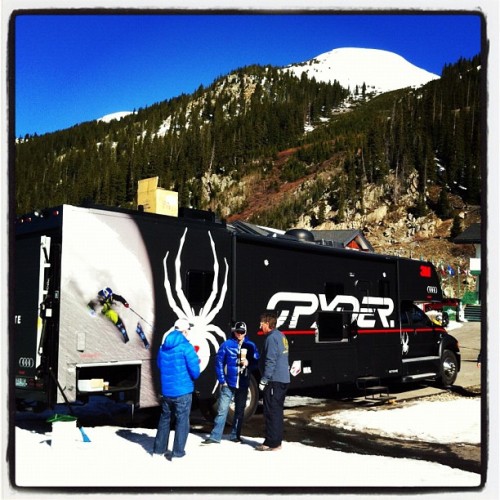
236	359
179	368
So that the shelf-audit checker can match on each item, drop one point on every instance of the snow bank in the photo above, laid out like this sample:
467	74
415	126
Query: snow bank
455	421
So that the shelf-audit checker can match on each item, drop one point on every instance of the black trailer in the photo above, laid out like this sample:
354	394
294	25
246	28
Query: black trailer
348	315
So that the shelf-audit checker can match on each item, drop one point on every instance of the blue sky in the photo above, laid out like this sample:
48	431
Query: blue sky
74	68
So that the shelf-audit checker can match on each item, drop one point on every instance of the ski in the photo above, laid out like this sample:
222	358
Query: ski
141	334
121	329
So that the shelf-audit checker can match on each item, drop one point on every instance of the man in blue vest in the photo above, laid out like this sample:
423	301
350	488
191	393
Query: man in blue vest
236	359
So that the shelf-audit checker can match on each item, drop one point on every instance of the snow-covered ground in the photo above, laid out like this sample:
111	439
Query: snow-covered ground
120	457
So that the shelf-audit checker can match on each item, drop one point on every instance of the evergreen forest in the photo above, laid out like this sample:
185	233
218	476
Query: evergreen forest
242	122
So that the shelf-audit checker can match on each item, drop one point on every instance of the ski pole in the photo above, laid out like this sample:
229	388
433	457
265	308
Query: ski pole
143	319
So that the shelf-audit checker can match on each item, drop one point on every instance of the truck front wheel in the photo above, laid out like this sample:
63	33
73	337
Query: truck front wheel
449	368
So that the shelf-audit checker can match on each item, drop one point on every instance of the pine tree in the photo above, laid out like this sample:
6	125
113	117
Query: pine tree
443	207
456	228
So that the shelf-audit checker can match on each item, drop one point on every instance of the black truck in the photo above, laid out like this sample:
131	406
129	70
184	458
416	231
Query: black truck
348	315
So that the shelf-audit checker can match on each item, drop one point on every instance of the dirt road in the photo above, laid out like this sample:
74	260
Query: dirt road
298	419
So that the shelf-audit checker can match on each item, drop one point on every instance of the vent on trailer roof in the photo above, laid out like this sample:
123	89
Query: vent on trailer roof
301	235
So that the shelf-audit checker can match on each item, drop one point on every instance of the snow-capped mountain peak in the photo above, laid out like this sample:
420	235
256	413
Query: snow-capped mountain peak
380	70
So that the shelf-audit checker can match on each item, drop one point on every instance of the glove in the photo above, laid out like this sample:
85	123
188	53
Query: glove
262	385
126	304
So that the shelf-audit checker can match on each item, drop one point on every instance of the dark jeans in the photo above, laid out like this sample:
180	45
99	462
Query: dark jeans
178	408
240	402
274	400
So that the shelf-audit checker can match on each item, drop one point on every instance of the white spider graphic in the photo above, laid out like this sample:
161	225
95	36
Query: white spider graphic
201	334
405	342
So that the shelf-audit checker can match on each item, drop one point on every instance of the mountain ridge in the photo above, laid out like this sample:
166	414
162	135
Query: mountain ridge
352	67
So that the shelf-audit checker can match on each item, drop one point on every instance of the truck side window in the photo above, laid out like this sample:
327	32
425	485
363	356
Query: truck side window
405	321
333	326
418	316
406	311
413	315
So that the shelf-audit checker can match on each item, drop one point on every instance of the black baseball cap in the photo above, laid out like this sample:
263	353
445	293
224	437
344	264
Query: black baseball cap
240	327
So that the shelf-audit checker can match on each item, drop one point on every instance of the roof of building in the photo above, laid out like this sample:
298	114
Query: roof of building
471	235
344	238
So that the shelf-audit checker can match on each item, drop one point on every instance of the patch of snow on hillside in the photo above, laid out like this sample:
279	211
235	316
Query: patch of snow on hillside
114	116
164	127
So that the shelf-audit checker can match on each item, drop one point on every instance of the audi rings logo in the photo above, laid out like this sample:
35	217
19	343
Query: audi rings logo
26	362
432	289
